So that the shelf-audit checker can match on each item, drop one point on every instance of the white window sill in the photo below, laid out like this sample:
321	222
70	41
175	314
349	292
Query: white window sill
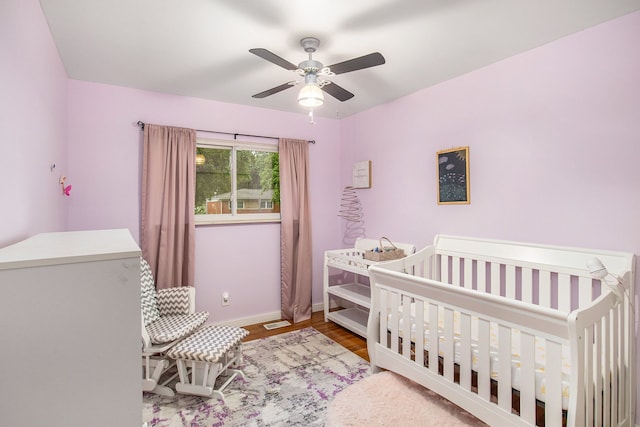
235	220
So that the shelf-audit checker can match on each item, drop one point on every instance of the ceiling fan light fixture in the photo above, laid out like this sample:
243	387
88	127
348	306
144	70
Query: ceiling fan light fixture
310	95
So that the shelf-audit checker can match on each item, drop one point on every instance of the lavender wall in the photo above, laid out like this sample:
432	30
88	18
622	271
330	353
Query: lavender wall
244	260
554	140
33	124
553	136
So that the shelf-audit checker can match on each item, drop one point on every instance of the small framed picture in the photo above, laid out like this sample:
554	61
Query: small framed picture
362	174
453	176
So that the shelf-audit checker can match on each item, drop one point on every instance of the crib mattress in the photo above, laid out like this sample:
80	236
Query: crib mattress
540	353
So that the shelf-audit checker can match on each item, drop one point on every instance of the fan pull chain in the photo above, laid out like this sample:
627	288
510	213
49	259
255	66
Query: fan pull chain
351	210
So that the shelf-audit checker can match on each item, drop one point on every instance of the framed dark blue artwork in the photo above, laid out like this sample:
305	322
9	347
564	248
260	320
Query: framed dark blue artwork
453	176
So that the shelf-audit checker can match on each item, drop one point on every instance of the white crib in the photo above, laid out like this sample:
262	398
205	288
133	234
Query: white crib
569	337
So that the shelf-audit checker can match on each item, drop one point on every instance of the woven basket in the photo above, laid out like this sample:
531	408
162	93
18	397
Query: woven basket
384	253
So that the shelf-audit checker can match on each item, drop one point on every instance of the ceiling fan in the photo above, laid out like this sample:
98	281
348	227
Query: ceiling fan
315	73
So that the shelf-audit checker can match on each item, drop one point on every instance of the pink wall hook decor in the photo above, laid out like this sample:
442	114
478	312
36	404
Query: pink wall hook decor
65	190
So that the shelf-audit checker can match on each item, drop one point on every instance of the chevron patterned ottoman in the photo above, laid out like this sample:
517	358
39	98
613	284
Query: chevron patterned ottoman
205	355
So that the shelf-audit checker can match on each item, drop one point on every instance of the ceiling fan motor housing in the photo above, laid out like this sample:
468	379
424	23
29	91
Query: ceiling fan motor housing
310	66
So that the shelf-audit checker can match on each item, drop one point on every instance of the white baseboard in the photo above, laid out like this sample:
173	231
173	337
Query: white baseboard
252	320
262	318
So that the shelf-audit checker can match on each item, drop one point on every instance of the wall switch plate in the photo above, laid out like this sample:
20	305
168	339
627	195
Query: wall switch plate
225	299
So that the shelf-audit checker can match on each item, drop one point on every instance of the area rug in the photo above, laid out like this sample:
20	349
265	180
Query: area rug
289	380
387	399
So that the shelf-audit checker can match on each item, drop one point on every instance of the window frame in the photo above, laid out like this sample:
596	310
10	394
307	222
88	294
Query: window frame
234	217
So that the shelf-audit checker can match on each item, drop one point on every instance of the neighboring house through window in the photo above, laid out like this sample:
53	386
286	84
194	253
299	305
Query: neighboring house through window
266	204
236	182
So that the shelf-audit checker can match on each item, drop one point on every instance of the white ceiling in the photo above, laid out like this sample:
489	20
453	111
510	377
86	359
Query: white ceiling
200	48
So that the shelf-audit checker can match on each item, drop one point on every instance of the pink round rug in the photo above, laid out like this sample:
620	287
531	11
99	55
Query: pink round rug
387	399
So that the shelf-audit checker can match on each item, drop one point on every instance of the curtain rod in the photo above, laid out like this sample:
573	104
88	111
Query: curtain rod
235	135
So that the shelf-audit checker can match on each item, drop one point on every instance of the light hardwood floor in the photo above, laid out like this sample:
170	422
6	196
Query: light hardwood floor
342	336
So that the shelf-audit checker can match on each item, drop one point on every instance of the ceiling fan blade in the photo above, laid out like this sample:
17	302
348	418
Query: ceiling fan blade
354	64
337	92
272	57
273	90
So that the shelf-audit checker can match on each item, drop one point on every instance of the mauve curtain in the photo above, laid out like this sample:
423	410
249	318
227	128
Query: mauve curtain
295	230
168	199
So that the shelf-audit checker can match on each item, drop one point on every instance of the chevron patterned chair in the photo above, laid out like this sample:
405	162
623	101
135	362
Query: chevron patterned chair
168	316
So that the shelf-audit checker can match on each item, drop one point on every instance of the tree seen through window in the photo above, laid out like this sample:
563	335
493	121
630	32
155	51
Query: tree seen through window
257	181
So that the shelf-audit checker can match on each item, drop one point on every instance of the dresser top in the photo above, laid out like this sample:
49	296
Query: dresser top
69	247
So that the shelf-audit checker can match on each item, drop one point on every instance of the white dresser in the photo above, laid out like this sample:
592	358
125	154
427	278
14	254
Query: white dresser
70	330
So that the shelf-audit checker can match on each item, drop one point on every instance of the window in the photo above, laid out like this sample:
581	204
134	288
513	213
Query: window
236	182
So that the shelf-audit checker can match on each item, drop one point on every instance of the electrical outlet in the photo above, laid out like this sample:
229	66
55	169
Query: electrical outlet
225	299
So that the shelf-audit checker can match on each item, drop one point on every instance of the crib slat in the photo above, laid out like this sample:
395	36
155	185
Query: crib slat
614	366
527	284
504	371
393	326
444	268
589	374
436	262
605	373
484	363
468	273
564	292
384	321
597	371
433	338
455	271
527	378
448	345
466	355
621	371
406	326
544	288
585	288
481	273
495	278
419	341
553	380
510	281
